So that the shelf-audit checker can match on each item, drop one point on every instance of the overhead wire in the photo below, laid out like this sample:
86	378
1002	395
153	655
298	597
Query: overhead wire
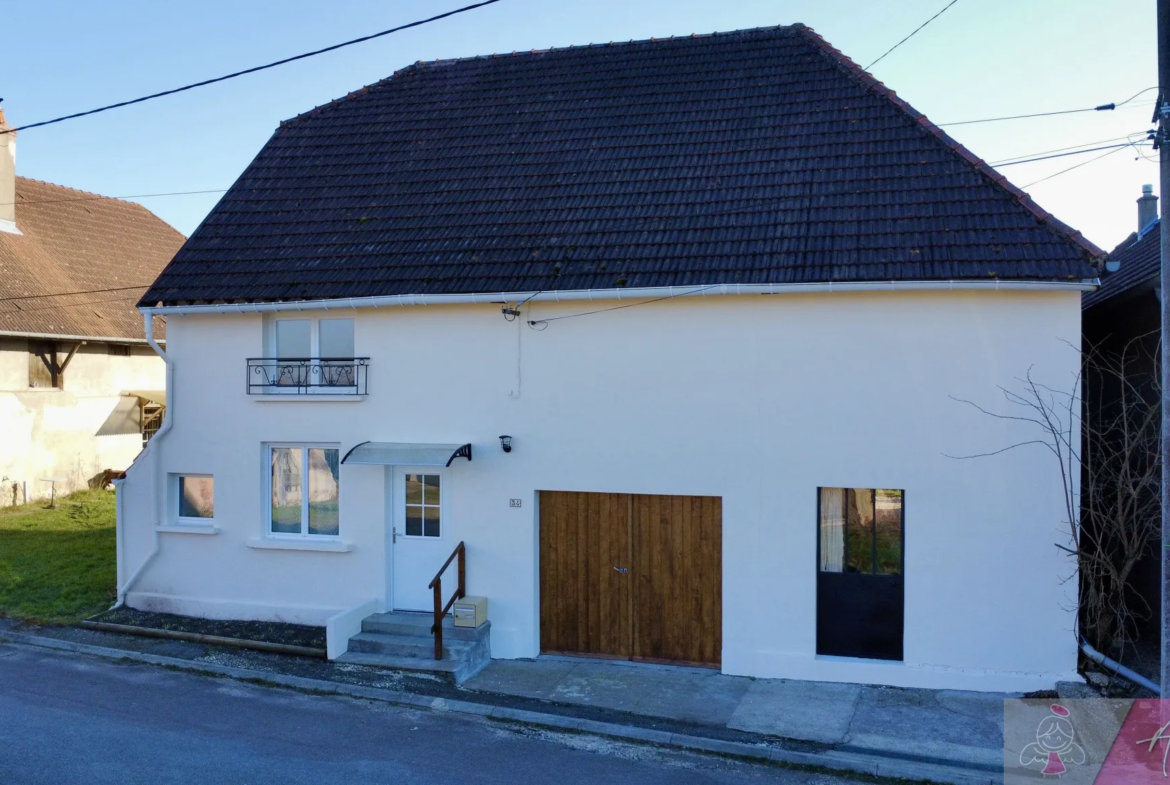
1078	166
907	38
95	197
252	70
1101	108
534	322
143	286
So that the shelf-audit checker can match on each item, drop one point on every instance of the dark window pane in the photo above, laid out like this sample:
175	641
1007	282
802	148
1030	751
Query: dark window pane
431	522
414	521
889	531
196	497
432	488
859	530
832	529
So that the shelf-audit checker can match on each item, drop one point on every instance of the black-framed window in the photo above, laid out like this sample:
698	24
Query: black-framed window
861	530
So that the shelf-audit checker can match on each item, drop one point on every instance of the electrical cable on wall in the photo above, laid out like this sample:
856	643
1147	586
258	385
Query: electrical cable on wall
545	322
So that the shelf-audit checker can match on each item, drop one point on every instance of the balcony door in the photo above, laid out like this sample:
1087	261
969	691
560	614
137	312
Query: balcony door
860	572
313	355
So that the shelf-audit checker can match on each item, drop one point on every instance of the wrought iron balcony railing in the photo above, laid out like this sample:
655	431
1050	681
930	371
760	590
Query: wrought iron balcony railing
307	375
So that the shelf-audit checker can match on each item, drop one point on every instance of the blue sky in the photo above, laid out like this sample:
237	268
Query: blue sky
982	58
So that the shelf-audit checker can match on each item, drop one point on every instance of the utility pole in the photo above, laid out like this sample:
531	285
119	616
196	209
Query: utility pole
1162	115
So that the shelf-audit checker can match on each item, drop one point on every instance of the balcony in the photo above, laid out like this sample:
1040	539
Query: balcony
307	375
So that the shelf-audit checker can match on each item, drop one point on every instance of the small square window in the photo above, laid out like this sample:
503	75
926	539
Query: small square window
194	498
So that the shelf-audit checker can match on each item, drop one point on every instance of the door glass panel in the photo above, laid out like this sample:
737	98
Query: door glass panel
324	471
414	526
422	505
286	490
889	531
832	526
430	521
859	530
431	481
293	338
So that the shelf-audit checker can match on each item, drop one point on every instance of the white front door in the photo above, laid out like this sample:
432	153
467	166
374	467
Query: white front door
419	536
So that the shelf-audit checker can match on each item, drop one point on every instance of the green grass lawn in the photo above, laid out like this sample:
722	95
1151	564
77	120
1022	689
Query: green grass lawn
58	565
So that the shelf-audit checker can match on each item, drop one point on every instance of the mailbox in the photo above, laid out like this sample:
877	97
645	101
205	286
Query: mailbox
470	611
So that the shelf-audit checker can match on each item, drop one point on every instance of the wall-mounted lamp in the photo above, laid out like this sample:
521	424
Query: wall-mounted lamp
506	443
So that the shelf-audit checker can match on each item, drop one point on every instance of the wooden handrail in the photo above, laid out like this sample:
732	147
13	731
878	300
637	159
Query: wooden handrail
460	592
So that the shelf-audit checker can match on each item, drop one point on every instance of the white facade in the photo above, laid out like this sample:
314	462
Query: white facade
757	399
47	432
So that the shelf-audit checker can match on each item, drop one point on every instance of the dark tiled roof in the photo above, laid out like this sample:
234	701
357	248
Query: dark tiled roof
759	156
73	241
1140	260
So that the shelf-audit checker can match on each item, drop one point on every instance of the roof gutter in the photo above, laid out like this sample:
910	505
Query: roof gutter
648	292
59	337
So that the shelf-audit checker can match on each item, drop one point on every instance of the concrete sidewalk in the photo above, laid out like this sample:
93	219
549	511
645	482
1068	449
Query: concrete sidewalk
920	735
963	728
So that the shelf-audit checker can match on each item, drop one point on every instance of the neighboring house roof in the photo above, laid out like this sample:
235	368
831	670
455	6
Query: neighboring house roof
73	241
1139	257
755	157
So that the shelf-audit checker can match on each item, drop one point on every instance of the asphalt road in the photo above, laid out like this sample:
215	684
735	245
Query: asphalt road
68	718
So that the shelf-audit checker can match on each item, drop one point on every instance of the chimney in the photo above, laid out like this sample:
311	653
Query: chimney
7	176
1147	207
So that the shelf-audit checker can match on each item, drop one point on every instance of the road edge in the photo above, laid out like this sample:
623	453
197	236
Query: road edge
854	763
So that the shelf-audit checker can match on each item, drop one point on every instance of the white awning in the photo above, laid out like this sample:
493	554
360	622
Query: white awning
406	454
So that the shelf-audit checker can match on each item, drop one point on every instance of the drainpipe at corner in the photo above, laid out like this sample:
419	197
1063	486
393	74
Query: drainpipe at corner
158	497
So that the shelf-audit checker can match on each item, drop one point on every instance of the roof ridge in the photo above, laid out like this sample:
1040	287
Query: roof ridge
795	26
1021	197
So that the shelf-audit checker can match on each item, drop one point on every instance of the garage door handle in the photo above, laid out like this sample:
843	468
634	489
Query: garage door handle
622	569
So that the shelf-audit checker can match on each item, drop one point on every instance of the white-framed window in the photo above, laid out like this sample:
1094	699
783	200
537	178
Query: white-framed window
314	354
423	513
193	499
304	490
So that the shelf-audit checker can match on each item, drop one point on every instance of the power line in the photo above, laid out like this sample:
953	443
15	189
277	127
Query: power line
251	70
907	38
96	197
1075	152
1062	149
1078	166
17	311
143	286
1101	108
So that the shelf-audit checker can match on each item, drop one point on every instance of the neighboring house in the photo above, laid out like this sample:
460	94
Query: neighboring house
719	293
1125	315
80	390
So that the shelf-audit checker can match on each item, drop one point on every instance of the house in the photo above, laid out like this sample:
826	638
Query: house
667	334
80	390
1122	319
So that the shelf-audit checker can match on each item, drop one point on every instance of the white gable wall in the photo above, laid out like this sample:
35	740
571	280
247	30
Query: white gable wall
756	399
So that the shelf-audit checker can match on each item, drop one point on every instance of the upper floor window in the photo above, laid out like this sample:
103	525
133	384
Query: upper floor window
308	355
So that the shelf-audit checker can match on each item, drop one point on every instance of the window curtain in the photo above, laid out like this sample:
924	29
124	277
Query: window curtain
832	529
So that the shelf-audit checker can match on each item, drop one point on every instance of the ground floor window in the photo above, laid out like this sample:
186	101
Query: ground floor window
305	489
194	499
860	564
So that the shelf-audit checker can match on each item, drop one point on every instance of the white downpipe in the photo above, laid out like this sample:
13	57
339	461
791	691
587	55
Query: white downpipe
1118	668
158	497
651	292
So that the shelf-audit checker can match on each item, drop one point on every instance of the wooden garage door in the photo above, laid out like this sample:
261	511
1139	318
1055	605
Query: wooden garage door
631	576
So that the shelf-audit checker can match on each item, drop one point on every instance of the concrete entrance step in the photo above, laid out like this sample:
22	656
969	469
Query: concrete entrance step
403	641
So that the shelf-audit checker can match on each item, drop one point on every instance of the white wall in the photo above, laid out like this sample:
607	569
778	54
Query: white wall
52	433
756	399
